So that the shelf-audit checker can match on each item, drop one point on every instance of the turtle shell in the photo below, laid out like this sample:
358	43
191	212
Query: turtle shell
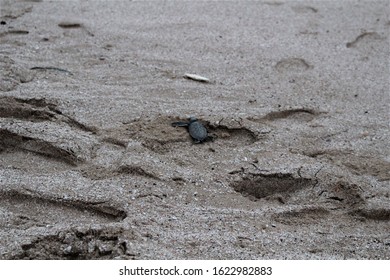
197	131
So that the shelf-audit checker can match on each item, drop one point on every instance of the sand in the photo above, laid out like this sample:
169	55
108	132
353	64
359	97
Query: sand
296	99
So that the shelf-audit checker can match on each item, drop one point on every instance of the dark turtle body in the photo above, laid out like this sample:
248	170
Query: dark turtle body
196	129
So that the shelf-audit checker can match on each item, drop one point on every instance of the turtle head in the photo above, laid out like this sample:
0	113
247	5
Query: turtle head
192	119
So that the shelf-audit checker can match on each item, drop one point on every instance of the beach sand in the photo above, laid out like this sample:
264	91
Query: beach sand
297	102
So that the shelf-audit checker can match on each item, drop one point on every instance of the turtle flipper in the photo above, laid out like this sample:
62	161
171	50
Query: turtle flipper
175	124
212	137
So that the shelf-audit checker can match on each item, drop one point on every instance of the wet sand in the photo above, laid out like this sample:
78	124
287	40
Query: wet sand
297	103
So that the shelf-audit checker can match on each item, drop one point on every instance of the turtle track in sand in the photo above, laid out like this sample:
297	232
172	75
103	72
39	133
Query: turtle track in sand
159	136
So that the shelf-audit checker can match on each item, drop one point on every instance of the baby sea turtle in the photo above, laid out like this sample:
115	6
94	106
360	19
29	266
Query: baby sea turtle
196	129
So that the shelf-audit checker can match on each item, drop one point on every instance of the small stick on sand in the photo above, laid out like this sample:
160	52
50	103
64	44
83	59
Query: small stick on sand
51	68
196	78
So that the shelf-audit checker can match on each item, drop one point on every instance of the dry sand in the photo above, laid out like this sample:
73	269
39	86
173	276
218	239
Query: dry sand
298	103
